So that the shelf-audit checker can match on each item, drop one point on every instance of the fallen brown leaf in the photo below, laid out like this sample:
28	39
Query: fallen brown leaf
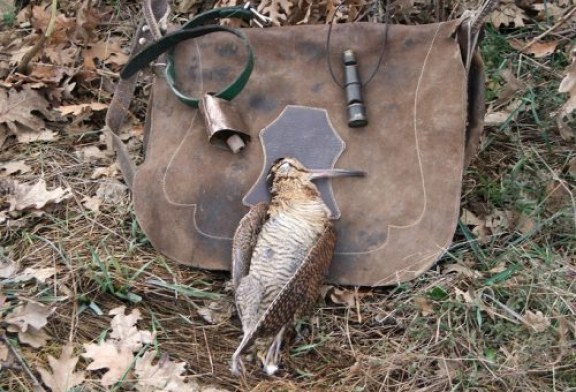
108	51
14	167
63	55
343	297
92	203
538	49
40	274
35	196
425	305
448	368
463	270
87	19
216	312
61	377
63	25
108	172
525	224
163	376
92	154
7	268
32	314
537	321
557	196
124	329
465	295
77	110
277	10
112	192
18	111
506	14
34	337
572	167
107	355
46	135
568	85
47	73
3	353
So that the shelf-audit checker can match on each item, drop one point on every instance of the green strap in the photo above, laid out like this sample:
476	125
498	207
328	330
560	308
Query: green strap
193	29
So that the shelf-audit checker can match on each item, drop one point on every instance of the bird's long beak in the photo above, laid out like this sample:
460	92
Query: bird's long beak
330	173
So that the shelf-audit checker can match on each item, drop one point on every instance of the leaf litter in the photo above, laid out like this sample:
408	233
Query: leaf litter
61	377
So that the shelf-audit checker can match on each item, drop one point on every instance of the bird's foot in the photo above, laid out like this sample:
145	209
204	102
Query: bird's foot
272	358
237	367
271	369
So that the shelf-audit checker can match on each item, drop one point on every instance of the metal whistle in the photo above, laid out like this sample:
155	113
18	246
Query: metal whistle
353	88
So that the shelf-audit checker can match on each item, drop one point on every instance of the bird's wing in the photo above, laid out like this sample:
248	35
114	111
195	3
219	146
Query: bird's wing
244	241
302	288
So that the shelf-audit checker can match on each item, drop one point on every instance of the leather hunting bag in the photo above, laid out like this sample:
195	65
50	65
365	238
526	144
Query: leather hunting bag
423	94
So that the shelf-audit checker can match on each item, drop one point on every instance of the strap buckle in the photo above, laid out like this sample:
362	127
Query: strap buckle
259	19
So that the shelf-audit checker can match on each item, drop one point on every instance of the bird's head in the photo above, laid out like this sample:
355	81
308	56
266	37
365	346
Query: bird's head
290	172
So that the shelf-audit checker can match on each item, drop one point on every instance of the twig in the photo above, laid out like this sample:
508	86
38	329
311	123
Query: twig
23	67
556	25
37	385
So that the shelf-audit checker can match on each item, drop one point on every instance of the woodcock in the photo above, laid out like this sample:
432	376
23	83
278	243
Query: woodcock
281	253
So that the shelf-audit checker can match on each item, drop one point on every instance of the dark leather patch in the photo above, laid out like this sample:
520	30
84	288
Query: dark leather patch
306	134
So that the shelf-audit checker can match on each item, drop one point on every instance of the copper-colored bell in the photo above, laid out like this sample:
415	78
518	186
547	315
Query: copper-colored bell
224	124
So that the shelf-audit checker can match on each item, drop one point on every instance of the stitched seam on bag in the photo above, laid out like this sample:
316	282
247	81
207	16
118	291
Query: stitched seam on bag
176	152
420	166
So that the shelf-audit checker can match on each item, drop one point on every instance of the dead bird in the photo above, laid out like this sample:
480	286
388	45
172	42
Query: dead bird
280	255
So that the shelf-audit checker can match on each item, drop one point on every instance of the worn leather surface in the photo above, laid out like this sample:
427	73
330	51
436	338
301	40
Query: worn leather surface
397	221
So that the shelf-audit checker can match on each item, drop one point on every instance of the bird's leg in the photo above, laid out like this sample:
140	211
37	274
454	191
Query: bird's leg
237	367
273	355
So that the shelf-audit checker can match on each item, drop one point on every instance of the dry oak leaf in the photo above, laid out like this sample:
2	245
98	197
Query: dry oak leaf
35	196
343	297
107	172
14	167
62	55
8	268
40	274
124	329
34	337
92	203
165	376
507	13
108	51
87	19
568	85
92	154
425	305
277	10
17	110
3	353
538	49
216	312
63	25
111	192
107	355
77	110
537	321
32	315
62	377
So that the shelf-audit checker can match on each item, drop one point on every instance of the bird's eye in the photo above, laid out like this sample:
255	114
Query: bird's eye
285	167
